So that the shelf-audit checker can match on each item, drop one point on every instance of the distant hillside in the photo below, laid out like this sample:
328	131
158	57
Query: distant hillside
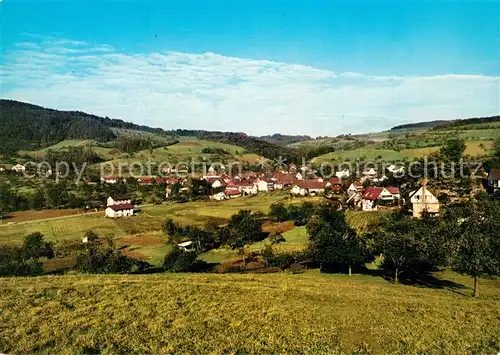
418	125
446	124
468	122
30	127
283	139
251	144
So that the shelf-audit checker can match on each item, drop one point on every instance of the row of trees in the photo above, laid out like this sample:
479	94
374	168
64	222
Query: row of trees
466	238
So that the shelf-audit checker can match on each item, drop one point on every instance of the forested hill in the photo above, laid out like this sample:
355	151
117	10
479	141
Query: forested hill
283	139
441	124
418	125
30	127
26	126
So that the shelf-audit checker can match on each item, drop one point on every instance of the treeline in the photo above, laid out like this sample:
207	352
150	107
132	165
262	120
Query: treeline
444	124
468	122
418	125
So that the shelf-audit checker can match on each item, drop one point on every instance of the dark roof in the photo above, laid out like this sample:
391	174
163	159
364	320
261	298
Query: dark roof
120	197
122	207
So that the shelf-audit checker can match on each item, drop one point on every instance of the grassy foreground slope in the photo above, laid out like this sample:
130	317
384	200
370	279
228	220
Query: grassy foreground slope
232	313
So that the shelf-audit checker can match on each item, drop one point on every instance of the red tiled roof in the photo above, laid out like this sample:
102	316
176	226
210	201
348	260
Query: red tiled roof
283	178
232	192
372	193
335	188
393	190
122	207
334	181
310	184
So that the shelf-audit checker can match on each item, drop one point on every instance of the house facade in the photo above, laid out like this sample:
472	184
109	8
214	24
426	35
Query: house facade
423	200
18	168
375	196
308	187
121	210
118	200
494	179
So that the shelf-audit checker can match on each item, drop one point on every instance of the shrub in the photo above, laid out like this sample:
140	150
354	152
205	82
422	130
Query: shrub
65	248
180	260
103	258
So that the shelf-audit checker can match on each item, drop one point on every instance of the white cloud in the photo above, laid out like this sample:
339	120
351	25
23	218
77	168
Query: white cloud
215	92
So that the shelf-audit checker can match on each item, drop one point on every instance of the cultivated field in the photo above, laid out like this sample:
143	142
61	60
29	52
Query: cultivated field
232	313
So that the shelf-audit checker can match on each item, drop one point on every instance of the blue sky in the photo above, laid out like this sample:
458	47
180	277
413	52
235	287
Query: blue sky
310	67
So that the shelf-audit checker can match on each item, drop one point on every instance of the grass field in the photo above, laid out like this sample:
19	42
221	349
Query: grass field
148	241
240	314
362	153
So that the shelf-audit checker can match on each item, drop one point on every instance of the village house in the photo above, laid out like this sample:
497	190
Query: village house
186	246
150	181
343	174
283	180
18	168
248	187
423	200
219	196
354	188
232	193
396	169
216	182
494	179
307	187
114	200
370	173
334	184
120	210
111	179
265	185
375	196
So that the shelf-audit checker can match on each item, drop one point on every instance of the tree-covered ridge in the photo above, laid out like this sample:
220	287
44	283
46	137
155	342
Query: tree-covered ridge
283	139
26	126
31	127
444	125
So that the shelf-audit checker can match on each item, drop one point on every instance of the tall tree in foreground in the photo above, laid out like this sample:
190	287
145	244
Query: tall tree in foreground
478	241
243	228
412	245
332	243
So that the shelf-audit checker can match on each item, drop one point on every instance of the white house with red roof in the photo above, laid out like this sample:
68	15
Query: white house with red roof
375	196
355	188
232	193
265	185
